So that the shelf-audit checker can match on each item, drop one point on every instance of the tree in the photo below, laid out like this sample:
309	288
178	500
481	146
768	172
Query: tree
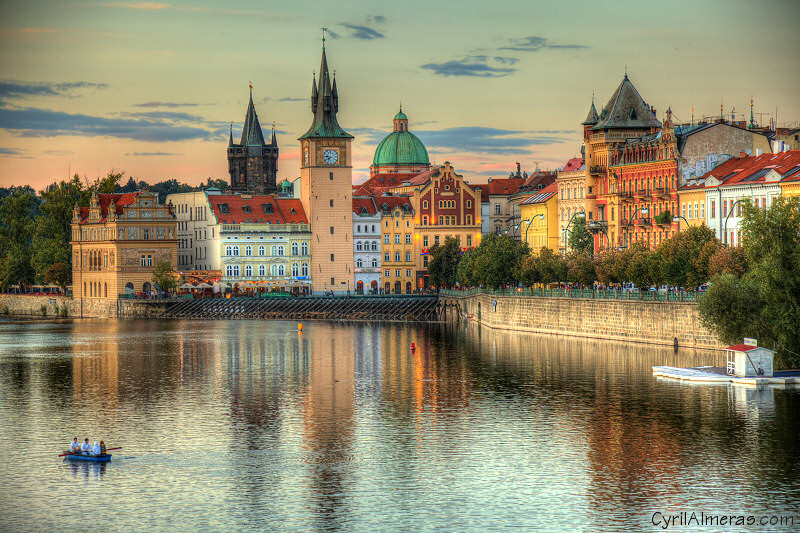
59	274
580	239
527	271
443	265
552	268
16	233
727	259
220	184
765	302
164	276
684	260
54	226
580	268
642	265
109	184
493	263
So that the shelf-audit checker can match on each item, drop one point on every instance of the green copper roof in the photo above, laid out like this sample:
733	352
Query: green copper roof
325	105
401	115
401	148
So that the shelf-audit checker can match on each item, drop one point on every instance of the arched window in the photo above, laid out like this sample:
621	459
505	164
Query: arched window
248	270
358	246
304	249
229	250
281	270
273	251
280	250
236	270
359	263
248	251
273	270
295	269
262	251
374	246
295	248
374	263
304	269
262	270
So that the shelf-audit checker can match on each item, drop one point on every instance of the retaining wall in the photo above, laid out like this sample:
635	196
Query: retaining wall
31	306
620	320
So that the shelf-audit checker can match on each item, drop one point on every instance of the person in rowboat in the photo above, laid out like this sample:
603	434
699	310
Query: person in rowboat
75	446
86	448
96	449
102	448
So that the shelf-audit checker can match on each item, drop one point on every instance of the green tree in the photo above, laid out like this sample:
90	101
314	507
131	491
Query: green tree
53	231
527	271
580	239
443	265
210	183
16	234
765	302
59	274
164	276
466	269
580	268
684	256
110	183
642	265
493	263
552	267
727	259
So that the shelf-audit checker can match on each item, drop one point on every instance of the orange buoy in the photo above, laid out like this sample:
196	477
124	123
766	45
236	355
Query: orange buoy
300	327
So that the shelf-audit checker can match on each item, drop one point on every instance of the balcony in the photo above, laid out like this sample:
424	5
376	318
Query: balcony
595	226
597	169
643	222
662	192
626	197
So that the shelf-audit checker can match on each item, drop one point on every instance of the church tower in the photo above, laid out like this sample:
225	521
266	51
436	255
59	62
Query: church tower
326	188
253	164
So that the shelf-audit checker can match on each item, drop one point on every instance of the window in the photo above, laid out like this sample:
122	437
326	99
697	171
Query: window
469	240
425	261
397	273
408	273
469	220
331	230
386	273
332	258
262	251
304	248
612	214
441	220
436	239
248	270
295	270
397	257
386	239
330	175
304	269
408	237
281	250
703	209
683	210
374	263
248	251
262	270
425	240
295	248
359	263
281	270
425	204
246	208
386	257
713	209
273	270
358	246
498	229
469	204
408	257
374	246
397	238
331	202
725	208
147	260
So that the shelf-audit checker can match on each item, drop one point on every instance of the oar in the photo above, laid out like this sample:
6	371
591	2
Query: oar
107	449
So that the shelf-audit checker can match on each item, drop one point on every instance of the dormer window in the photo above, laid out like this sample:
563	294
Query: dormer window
267	208
292	211
364	211
633	114
223	208
246	208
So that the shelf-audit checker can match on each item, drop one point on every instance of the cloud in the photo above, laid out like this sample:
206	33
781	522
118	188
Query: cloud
165	104
147	6
171	116
268	99
59	153
24	89
477	66
362	32
33	122
148	154
332	34
484	140
534	44
11	151
376	19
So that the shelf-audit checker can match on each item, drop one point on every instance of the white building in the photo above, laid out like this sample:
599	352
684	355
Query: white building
198	231
366	245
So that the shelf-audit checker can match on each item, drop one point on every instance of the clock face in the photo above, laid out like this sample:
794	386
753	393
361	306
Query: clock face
330	157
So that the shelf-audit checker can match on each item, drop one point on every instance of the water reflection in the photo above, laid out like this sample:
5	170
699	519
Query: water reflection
256	426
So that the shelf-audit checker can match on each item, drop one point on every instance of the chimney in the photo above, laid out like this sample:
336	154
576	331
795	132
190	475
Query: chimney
518	170
742	154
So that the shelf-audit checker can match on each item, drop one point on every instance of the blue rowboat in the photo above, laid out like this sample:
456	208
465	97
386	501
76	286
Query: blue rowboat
96	458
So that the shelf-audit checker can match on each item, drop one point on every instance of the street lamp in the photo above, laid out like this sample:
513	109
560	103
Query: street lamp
540	216
727	217
677	218
579	214
644	211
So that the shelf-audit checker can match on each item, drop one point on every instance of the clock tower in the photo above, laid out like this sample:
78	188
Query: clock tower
326	188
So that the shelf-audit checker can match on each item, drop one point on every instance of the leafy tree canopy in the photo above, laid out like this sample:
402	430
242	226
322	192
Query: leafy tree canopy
443	264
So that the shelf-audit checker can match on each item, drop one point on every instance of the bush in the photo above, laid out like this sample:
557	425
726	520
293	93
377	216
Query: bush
64	311
43	309
5	310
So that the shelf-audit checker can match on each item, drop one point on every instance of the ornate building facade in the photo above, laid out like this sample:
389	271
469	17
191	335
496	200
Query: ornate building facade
397	229
116	243
253	164
366	245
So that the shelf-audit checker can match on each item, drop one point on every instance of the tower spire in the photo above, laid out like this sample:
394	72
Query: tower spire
325	105
752	124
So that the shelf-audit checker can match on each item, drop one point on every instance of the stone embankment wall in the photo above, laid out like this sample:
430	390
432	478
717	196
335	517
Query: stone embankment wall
620	320
31	306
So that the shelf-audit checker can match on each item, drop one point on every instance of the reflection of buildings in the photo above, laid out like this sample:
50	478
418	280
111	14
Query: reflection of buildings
752	402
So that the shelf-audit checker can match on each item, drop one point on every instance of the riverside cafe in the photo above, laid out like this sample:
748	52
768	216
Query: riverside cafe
251	289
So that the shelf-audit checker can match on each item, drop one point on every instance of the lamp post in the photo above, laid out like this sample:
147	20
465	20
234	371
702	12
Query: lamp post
579	214
540	216
725	231
677	218
644	211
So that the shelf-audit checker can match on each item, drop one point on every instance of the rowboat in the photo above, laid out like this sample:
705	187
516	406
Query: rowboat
96	458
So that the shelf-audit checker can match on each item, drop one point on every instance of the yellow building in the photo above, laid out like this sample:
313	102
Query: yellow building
539	219
117	241
397	246
790	186
692	204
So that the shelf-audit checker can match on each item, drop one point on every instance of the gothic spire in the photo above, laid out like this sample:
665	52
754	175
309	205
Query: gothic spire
251	132
314	92
325	105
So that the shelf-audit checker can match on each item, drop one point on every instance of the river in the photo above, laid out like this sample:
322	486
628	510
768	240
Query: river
253	426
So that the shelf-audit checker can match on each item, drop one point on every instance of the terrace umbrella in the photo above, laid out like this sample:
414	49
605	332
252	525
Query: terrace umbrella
204	286
187	286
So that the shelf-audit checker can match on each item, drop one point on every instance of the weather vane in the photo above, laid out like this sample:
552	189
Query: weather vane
250	84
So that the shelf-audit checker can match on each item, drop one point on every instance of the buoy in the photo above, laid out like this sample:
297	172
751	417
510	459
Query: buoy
413	346
300	327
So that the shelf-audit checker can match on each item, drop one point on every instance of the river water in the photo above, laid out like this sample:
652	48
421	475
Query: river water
252	426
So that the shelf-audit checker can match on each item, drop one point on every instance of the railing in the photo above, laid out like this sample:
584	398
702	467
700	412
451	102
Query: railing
593	294
597	169
597	225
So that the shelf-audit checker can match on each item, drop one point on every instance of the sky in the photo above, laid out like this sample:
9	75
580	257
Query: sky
151	88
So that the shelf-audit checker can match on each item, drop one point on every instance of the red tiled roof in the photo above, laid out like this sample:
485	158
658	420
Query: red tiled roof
573	164
484	189
505	186
543	195
739	169
104	200
284	210
364	202
392	201
539	177
742	348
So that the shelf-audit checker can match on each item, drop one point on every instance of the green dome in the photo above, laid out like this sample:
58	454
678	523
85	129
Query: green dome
286	183
401	148
401	116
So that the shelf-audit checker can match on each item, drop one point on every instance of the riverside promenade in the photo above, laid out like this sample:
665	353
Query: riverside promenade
662	318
